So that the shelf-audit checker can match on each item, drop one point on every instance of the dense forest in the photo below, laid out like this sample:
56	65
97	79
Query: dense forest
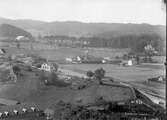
135	42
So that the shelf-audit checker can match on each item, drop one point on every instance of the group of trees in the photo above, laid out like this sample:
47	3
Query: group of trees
135	42
149	52
98	74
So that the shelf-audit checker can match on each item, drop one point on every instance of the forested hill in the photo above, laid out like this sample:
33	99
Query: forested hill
80	29
114	35
10	31
101	29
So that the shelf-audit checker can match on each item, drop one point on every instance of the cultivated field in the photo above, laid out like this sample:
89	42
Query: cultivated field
134	75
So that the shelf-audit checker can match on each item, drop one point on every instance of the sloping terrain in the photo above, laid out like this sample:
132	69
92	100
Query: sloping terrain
10	31
73	28
30	88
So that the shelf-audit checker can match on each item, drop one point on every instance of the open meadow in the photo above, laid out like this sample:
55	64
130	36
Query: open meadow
136	75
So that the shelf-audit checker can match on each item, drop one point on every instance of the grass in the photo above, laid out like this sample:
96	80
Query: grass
54	53
134	75
47	96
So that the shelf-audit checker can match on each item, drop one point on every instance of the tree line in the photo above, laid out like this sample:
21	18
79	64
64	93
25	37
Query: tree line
135	42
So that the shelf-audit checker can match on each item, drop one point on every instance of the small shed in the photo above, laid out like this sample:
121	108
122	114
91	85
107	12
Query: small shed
130	63
68	59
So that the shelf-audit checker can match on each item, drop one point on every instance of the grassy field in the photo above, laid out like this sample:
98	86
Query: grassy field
135	75
60	53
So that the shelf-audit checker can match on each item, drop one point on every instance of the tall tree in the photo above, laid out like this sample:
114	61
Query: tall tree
149	52
99	74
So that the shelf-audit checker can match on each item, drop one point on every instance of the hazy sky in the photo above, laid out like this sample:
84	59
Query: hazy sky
113	11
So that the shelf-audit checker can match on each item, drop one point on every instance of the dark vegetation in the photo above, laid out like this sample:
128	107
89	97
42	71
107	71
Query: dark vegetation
98	74
135	42
37	59
16	70
103	110
134	36
47	77
10	31
74	28
89	74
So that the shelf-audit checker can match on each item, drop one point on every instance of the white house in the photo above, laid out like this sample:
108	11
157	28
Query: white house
69	60
45	67
130	62
78	58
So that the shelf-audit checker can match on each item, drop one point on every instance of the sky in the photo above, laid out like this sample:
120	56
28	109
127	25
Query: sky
110	11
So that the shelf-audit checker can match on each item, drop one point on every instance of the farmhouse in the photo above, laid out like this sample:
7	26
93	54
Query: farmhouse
47	67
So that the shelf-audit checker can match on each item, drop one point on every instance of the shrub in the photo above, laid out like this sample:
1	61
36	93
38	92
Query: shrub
55	66
38	65
99	74
53	77
16	70
50	77
90	74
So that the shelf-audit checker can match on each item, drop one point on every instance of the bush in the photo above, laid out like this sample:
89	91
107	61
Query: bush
90	74
42	76
99	74
55	66
38	65
53	77
16	70
50	77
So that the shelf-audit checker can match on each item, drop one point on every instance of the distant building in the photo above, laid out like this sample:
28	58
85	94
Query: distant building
22	38
130	62
69	60
47	67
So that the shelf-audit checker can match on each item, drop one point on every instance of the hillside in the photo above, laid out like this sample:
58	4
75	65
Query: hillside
98	29
10	31
73	28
